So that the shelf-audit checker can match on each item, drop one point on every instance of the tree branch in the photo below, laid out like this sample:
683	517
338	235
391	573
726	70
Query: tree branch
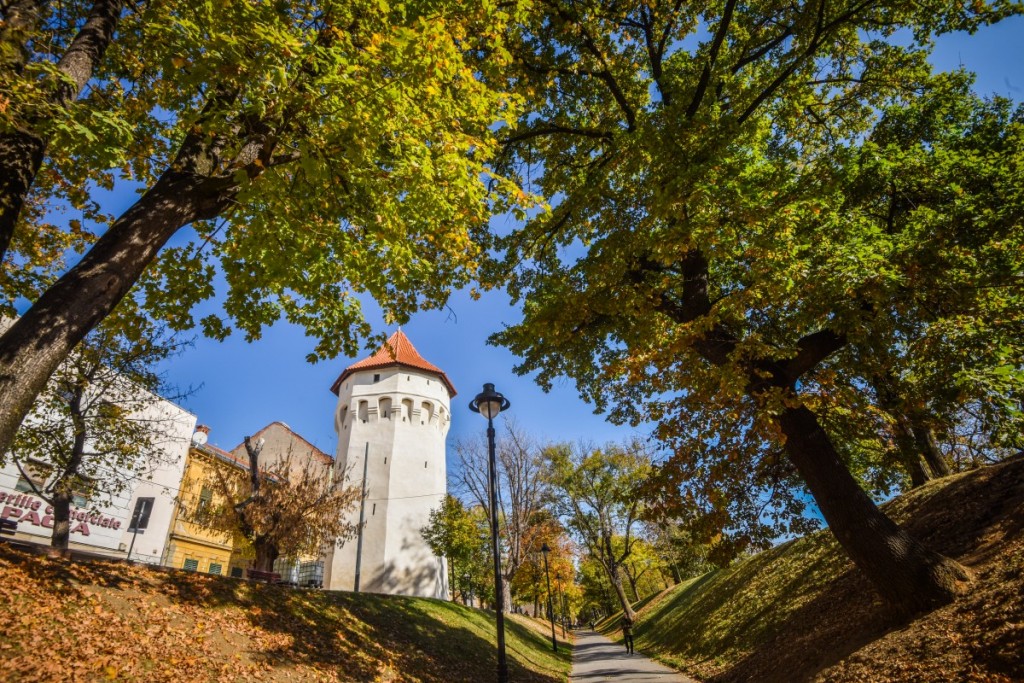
709	66
811	350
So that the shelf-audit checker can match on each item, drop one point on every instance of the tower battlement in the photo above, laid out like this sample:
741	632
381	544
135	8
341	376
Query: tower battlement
392	416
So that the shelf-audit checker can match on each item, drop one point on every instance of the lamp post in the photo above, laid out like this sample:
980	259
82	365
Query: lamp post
489	403
561	605
467	590
544	549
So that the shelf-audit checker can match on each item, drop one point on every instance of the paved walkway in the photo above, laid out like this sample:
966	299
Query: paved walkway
595	658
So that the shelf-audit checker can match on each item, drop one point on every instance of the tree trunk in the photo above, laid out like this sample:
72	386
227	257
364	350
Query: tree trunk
21	155
928	445
506	593
266	554
38	341
910	455
22	150
632	584
61	520
615	576
910	577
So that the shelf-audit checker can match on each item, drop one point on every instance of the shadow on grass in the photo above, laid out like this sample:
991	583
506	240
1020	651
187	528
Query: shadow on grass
362	637
367	634
799	608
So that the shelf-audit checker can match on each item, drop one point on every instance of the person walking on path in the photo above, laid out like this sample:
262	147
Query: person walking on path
595	659
627	634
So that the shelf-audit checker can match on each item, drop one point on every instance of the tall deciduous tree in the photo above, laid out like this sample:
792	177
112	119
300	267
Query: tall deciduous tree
597	493
705	264
317	149
294	507
521	494
100	423
460	535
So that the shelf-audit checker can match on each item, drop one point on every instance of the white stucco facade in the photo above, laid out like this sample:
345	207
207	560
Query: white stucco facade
394	420
102	523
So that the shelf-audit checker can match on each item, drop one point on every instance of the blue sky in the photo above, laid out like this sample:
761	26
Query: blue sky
246	386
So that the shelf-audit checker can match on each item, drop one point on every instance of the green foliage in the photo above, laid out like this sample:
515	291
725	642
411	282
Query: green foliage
597	495
100	423
348	140
462	535
761	208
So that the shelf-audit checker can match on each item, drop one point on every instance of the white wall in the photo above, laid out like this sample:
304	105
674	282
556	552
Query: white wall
406	479
102	525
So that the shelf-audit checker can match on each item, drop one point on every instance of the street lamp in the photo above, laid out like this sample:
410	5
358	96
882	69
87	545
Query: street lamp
544	549
467	590
489	403
561	604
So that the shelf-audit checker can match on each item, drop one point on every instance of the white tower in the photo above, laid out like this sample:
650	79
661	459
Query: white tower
393	408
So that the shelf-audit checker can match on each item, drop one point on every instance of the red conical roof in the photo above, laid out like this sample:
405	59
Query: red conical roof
397	350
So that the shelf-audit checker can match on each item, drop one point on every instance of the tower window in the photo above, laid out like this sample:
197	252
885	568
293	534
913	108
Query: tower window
376	378
374	510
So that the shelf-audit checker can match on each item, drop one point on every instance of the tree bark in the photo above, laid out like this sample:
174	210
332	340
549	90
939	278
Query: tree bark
61	520
38	341
266	554
22	150
506	593
911	578
63	492
910	455
615	576
928	445
632	584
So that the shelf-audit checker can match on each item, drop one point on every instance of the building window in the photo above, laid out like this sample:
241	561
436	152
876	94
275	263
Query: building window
376	378
364	411
38	472
215	568
202	515
236	572
140	516
191	565
385	408
82	491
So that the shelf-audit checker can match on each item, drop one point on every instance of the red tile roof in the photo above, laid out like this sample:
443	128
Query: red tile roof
397	351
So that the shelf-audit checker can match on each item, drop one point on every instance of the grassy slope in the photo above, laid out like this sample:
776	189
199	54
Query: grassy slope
802	612
111	621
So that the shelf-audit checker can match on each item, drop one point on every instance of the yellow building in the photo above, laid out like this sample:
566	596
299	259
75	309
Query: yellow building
192	543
